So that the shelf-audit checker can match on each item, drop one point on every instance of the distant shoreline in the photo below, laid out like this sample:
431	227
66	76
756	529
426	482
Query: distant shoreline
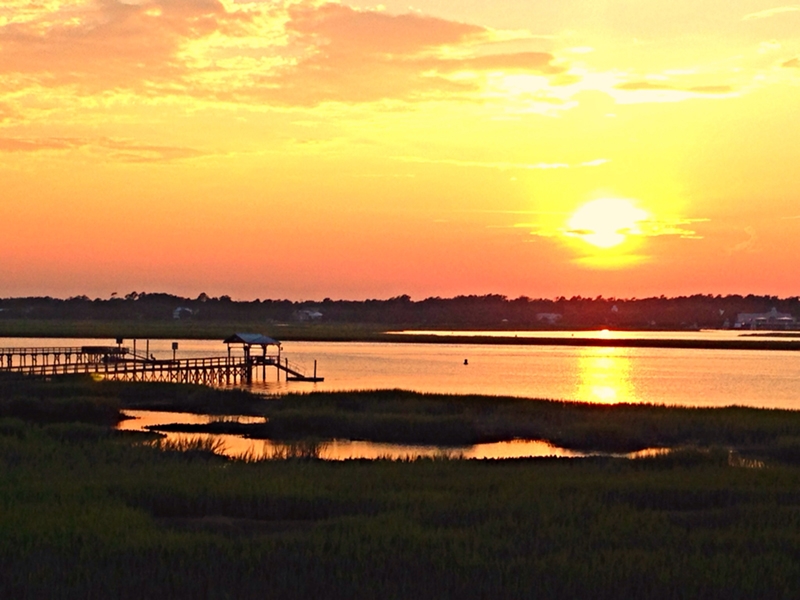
352	333
774	334
606	343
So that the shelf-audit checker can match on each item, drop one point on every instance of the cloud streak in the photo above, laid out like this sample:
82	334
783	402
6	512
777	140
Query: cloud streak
750	245
505	166
649	86
772	12
121	150
645	228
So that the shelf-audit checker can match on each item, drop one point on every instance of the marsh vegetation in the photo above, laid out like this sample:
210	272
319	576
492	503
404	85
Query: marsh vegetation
402	417
86	511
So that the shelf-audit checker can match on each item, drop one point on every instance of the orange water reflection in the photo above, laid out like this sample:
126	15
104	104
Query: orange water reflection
604	376
141	419
237	447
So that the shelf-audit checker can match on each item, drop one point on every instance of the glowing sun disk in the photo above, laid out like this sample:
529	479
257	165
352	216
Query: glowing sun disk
606	222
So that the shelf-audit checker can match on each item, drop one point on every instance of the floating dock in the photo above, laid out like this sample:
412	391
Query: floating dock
119	363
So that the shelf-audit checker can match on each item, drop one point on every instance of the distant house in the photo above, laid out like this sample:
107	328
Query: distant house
548	318
769	320
307	315
182	313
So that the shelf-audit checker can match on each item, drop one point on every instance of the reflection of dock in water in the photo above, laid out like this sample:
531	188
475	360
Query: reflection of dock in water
119	363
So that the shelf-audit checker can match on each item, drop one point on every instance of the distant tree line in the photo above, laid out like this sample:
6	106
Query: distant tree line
489	311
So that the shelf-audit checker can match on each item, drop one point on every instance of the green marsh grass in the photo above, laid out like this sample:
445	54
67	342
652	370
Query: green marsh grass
88	512
99	517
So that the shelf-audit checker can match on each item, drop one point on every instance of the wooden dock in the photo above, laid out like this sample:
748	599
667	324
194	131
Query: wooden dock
118	363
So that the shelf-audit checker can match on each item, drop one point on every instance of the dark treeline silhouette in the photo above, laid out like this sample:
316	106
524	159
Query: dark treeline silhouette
491	311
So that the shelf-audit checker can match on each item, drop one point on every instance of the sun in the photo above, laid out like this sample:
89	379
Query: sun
606	222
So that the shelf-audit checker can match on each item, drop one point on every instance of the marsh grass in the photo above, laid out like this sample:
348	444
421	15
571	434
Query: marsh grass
88	512
192	446
307	449
98	517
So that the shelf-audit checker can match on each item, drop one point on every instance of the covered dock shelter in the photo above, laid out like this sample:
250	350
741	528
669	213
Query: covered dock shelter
264	359
248	340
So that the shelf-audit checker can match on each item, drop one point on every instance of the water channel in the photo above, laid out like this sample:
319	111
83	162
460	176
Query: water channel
236	446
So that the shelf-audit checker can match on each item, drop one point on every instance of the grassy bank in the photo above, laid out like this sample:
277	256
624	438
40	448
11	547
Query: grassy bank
89	512
333	332
185	329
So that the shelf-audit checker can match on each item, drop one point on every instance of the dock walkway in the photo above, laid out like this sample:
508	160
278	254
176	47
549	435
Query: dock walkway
118	363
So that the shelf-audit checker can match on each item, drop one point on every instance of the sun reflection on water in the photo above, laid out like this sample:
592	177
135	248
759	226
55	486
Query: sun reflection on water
604	376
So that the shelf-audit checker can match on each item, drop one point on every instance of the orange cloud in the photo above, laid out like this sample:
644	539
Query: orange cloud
792	64
636	86
283	53
343	30
364	55
19	145
104	44
711	89
7	113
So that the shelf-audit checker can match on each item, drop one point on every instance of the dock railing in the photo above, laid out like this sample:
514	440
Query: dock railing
119	363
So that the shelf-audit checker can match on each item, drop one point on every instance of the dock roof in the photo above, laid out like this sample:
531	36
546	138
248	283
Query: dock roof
252	339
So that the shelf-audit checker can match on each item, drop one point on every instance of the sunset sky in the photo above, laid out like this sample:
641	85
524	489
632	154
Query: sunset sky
297	149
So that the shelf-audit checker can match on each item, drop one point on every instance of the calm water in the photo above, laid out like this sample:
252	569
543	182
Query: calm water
656	375
759	378
235	446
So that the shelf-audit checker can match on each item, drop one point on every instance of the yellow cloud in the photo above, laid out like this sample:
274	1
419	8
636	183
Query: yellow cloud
771	12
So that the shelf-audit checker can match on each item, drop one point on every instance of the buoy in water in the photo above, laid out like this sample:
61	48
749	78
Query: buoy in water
466	362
